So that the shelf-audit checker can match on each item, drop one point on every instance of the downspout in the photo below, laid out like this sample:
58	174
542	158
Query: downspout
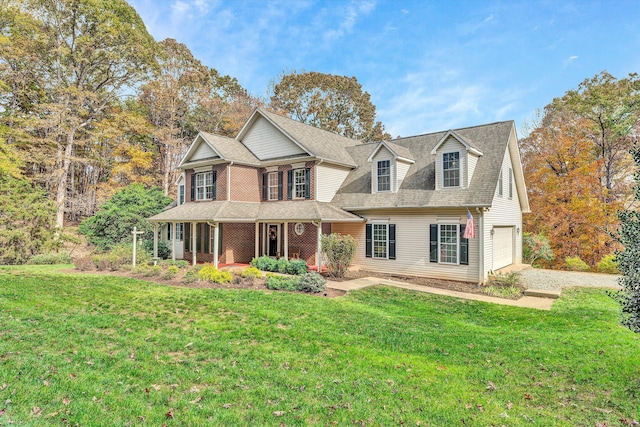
480	245
229	181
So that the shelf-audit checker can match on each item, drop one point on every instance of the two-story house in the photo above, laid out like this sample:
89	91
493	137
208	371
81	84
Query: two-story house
280	184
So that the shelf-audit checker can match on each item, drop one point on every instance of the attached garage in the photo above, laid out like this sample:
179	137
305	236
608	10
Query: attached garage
502	247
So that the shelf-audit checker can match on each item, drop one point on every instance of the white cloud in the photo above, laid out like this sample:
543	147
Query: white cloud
350	17
488	18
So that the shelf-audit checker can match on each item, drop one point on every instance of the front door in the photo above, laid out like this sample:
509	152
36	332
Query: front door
273	240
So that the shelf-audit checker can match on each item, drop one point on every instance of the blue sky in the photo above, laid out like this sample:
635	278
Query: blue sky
428	65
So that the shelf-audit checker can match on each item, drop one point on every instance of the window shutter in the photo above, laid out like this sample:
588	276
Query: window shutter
207	233
464	246
264	186
219	239
193	186
198	237
280	185
215	185
187	236
392	241
290	184
368	241
433	243
307	183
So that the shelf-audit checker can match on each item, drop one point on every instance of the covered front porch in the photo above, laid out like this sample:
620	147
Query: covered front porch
221	233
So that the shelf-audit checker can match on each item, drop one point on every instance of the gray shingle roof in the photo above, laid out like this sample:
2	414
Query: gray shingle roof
418	187
321	143
225	211
400	150
231	149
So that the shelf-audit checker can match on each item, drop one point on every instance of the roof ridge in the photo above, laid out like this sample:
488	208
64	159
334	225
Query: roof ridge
454	130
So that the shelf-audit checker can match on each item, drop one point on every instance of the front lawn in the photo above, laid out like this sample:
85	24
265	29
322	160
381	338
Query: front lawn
99	350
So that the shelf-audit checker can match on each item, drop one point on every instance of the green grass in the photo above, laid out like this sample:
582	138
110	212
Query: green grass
98	350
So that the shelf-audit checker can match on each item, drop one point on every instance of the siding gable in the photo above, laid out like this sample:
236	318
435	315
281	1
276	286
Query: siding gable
266	142
203	151
382	154
329	178
451	145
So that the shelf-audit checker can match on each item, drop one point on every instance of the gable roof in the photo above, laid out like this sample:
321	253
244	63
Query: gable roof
418	187
398	151
226	149
318	143
468	144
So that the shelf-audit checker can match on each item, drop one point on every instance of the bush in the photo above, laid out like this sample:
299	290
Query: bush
576	264
312	282
506	279
502	291
171	272
84	263
212	274
283	283
608	265
265	263
191	276
536	247
340	251
297	266
152	270
164	251
50	258
282	265
251	273
180	263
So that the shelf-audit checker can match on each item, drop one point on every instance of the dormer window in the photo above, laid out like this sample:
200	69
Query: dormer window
384	175
204	186
451	169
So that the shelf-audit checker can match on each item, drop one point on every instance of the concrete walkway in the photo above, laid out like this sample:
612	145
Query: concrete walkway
525	301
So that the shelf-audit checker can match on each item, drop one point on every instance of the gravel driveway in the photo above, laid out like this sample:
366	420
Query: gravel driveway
556	280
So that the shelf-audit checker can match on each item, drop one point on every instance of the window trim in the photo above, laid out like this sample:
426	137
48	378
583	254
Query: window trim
378	176
272	189
457	246
458	169
204	185
179	231
299	183
181	194
373	240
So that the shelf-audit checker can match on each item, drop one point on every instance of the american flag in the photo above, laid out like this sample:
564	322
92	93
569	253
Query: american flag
470	230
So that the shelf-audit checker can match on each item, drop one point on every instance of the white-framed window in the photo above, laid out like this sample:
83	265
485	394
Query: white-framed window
181	194
380	240
510	183
180	231
500	184
448	243
299	183
204	186
451	169
383	175
272	184
299	228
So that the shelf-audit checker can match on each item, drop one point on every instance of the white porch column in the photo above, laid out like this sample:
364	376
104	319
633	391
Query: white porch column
173	242
257	240
155	240
193	242
286	240
216	236
319	246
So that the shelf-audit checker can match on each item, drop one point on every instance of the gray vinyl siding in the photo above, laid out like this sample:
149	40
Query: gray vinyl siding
472	161
203	152
412	245
449	146
329	178
382	154
267	142
401	171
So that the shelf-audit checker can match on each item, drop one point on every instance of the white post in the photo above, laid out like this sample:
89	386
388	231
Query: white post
257	242
155	242
216	236
319	245
173	242
135	233
286	240
194	246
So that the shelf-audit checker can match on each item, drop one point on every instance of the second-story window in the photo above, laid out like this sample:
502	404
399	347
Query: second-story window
273	186
299	183
451	169
204	186
384	175
181	195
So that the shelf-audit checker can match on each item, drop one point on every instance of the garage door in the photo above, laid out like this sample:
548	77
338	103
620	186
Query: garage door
502	247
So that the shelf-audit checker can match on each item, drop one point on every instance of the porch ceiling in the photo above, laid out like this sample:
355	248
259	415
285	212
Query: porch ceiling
225	211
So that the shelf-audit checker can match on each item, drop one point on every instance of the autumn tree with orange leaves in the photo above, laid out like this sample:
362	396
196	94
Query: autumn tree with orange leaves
578	168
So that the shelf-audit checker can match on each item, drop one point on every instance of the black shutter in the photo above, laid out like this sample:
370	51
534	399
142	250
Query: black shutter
464	246
265	176
368	241
187	236
433	243
193	186
290	184
392	241
307	183
198	237
214	180
207	234
219	239
280	185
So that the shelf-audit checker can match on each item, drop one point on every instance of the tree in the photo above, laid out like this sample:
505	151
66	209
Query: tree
26	221
326	101
628	258
339	250
128	208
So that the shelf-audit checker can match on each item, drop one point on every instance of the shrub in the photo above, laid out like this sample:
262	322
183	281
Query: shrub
265	263
84	263
506	279
608	265
191	276
180	263
283	283
50	258
297	266
312	282
576	264
164	251
536	247
212	274
171	272
283	265
120	255
251	273
152	270
339	250
501	291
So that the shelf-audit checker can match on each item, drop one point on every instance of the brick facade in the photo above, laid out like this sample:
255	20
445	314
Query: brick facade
221	183
246	183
